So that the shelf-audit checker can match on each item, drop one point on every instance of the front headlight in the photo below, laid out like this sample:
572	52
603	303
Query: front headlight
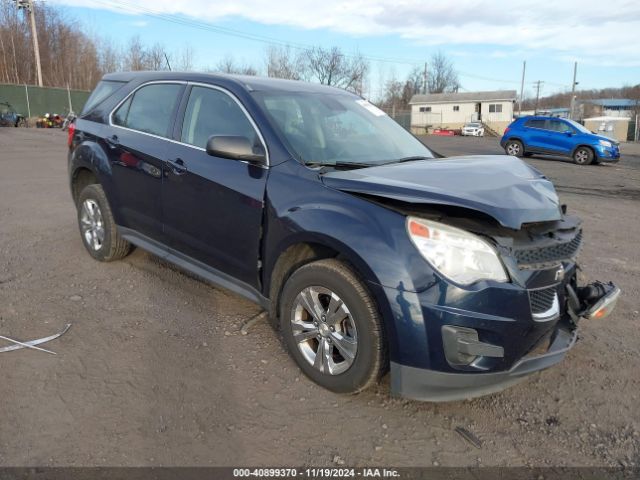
460	256
605	143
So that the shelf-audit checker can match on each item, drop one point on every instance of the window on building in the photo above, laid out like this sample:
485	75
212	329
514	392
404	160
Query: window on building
425	109
456	108
495	108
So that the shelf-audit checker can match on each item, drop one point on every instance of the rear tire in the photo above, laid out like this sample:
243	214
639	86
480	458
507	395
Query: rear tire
514	148
97	227
583	156
332	328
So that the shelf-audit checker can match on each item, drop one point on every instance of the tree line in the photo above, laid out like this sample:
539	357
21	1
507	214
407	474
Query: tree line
72	57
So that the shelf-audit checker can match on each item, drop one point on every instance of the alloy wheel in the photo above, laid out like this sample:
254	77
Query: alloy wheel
91	224
513	149
324	330
581	156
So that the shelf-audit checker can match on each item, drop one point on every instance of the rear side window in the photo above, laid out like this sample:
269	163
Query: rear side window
149	110
212	112
536	124
103	90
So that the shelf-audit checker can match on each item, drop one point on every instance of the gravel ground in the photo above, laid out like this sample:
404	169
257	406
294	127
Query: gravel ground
154	370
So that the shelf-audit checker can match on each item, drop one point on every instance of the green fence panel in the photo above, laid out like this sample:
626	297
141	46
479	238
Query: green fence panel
41	100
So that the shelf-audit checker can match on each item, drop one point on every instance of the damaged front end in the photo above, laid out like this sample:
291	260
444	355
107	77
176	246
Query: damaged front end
494	292
493	335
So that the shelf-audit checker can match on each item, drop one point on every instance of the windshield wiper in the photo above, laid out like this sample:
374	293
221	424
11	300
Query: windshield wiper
339	164
407	159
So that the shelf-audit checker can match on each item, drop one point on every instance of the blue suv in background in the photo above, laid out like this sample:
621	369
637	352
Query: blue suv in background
558	136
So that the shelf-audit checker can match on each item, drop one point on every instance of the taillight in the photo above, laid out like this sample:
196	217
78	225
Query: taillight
506	130
71	130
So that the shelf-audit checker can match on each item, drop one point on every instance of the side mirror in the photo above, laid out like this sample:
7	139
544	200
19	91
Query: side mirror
235	147
568	133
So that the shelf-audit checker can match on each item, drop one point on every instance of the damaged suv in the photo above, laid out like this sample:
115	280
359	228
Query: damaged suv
370	253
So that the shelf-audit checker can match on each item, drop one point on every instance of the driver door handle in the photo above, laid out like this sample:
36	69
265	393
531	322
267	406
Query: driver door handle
177	166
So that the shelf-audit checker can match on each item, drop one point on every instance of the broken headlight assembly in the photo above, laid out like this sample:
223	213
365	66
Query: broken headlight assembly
457	254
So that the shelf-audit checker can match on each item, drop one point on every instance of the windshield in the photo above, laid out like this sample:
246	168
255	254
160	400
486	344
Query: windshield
339	129
580	128
472	125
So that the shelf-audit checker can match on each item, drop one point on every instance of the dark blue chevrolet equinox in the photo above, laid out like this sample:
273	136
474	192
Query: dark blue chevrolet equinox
369	253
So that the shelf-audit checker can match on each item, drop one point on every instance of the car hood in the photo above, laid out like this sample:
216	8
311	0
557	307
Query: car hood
608	139
501	186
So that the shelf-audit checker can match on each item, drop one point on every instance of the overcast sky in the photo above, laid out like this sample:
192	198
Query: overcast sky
487	40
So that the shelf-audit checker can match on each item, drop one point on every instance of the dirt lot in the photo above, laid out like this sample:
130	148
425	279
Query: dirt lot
155	371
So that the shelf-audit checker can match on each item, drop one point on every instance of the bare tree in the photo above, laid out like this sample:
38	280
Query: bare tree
283	63
229	65
135	55
332	67
157	57
183	59
442	74
109	57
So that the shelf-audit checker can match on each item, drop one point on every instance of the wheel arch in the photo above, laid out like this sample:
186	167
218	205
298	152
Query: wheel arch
584	145
515	137
304	249
88	164
80	178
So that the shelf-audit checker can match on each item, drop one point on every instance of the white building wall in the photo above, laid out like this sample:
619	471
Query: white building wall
443	115
505	116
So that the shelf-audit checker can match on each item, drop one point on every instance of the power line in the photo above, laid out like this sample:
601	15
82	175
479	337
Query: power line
236	33
201	25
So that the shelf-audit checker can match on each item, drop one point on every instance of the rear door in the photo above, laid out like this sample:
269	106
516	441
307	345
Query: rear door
137	144
213	207
536	134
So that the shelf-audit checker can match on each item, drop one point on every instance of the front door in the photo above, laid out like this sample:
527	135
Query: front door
560	136
137	146
213	207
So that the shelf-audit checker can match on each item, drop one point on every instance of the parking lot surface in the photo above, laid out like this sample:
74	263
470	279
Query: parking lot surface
155	371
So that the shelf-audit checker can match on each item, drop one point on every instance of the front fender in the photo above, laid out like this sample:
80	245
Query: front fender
373	239
370	237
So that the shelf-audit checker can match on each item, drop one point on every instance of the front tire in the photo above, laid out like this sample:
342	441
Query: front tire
97	227
332	328
514	148
583	156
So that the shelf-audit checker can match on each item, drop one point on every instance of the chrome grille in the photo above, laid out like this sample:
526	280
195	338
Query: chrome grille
554	253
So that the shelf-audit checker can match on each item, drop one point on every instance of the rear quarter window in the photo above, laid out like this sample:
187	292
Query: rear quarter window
103	90
150	109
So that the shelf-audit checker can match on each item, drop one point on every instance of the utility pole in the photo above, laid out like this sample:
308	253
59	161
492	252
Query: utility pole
573	91
426	80
524	67
28	5
538	86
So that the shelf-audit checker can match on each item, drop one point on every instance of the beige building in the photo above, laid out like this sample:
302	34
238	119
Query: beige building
453	110
612	127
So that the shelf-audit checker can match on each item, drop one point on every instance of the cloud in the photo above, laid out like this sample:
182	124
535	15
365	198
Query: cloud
587	30
139	23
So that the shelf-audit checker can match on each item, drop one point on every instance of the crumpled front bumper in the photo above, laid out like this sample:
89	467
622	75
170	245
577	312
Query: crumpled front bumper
434	386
